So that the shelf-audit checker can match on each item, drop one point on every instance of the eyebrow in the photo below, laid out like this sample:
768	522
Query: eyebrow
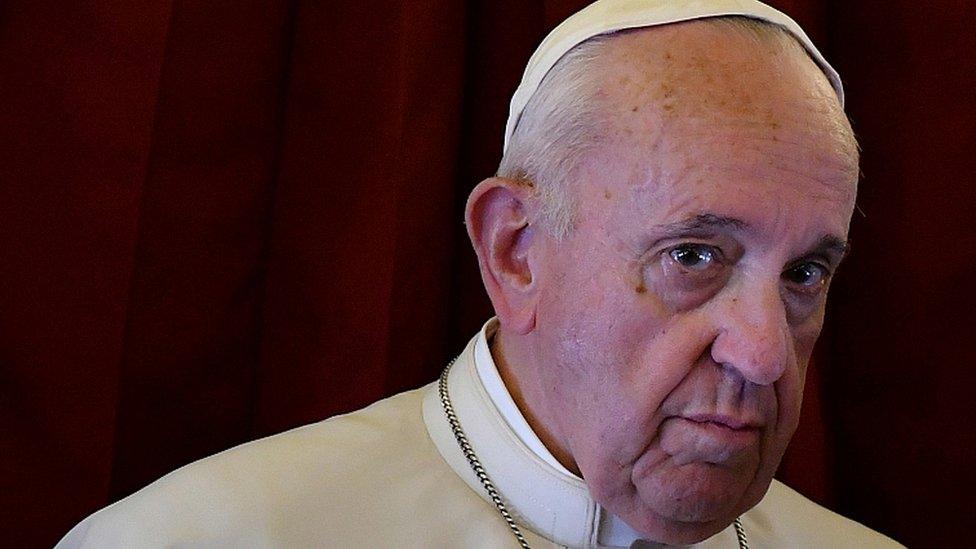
827	245
831	244
699	223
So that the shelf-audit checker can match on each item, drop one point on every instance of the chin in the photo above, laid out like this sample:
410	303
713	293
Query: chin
688	527
684	531
689	512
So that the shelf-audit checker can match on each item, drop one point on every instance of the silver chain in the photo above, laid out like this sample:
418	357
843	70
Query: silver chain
473	460
489	486
740	533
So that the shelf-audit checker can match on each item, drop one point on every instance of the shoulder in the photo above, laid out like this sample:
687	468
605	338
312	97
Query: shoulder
785	516
298	482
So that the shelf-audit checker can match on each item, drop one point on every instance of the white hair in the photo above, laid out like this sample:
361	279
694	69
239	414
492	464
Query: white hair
559	124
556	127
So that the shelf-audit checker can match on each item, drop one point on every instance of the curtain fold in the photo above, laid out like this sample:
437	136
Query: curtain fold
193	311
220	220
78	90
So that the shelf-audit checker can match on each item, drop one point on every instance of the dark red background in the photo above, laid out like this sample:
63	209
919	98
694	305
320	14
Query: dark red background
222	219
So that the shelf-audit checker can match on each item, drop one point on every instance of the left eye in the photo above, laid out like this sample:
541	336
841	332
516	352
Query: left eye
695	257
807	275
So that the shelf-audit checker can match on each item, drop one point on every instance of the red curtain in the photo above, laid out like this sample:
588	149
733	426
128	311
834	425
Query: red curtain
219	220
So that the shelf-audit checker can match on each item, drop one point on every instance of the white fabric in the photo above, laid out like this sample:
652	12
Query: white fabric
502	399
613	531
607	16
391	475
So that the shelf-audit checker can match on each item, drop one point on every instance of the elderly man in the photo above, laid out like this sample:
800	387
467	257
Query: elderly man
675	194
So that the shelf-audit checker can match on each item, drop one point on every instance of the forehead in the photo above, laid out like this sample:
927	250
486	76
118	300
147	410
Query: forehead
716	55
697	113
714	72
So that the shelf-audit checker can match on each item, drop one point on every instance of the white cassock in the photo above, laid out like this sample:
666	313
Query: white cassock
392	475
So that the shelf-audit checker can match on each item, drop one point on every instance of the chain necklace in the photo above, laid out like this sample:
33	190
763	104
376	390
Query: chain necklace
486	482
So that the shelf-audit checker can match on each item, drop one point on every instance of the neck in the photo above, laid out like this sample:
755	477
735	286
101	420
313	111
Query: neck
519	374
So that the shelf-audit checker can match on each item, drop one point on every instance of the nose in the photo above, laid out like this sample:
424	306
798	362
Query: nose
753	337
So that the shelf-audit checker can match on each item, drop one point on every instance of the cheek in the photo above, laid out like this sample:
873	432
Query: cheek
805	336
789	389
618	352
628	379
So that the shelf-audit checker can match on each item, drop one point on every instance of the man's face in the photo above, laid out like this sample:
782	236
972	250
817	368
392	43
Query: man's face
676	322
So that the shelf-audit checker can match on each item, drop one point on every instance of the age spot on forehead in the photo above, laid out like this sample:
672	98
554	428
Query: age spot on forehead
667	90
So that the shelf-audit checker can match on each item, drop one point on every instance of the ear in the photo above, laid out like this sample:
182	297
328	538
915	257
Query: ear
506	241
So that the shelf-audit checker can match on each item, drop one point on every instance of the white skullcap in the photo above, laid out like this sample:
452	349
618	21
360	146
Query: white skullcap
607	16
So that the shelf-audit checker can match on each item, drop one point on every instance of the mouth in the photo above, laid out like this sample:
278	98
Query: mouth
724	421
716	439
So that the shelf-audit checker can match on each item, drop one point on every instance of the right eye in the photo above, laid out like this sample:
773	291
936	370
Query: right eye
694	257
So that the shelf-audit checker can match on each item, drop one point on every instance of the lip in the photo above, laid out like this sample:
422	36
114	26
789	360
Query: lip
726	421
709	438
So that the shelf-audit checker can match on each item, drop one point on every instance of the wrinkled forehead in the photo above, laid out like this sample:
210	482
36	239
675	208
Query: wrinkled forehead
701	105
699	116
713	60
703	76
610	16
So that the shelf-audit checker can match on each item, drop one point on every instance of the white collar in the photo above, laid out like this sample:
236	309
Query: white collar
547	500
613	531
502	399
